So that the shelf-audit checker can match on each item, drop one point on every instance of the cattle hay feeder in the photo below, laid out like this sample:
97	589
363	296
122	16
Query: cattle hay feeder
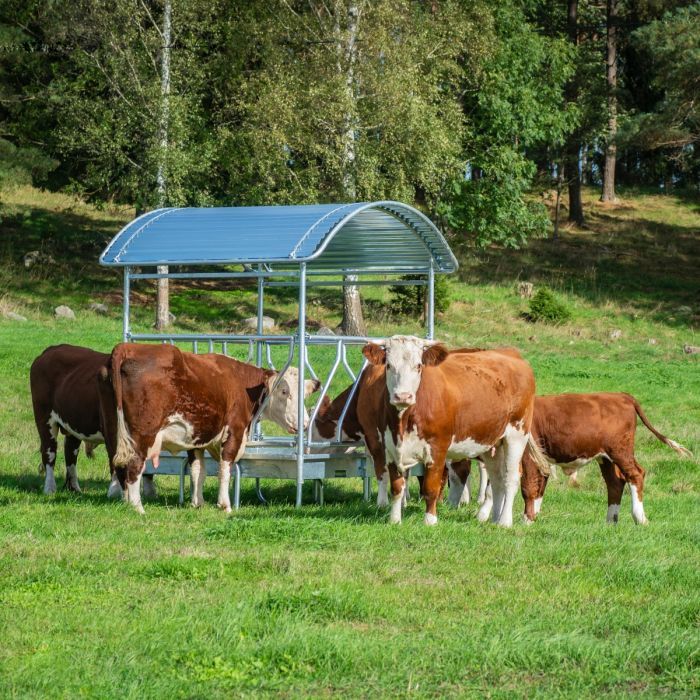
300	247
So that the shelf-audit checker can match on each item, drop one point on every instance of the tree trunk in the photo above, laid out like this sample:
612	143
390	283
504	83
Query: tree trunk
163	286
353	320
608	194
573	144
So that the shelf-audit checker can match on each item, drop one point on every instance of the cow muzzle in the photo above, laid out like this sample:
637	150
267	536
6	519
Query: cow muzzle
403	399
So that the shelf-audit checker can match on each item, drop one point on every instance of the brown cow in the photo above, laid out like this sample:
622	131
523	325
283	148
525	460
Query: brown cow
63	381
438	405
326	423
573	429
157	397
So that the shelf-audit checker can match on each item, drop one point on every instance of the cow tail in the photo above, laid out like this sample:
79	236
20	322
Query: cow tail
545	468
683	451
125	451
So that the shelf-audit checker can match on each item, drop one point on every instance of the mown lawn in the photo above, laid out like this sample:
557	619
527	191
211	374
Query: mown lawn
99	602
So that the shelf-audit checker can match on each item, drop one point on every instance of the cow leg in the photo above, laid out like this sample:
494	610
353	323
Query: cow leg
433	483
398	484
198	471
224	500
493	490
634	474
71	449
149	486
134	470
514	446
458	474
406	491
47	434
115	489
383	488
615	484
483	482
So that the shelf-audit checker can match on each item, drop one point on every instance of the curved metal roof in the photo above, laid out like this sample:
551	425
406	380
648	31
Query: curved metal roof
360	236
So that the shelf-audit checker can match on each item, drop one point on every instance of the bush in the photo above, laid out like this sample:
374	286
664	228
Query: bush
409	300
546	307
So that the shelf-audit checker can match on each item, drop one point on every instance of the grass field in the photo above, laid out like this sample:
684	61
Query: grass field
99	602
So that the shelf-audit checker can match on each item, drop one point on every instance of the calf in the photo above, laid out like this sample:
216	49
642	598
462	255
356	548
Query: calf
65	398
573	429
157	397
434	405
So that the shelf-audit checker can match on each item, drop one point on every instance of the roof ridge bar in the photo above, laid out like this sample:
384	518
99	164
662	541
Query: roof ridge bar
164	211
296	248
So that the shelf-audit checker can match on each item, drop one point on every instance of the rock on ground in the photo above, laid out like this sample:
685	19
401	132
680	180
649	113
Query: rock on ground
267	322
64	312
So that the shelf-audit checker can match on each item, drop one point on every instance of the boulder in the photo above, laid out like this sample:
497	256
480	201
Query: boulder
616	334
691	349
64	312
99	308
323	330
14	316
252	322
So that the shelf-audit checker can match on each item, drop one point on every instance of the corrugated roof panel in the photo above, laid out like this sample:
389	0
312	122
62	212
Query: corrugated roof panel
364	235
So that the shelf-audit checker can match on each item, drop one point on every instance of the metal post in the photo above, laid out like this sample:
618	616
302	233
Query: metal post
125	328
431	302
301	349
261	291
236	486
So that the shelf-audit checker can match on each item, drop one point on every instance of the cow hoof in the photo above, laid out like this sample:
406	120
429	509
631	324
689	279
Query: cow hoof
50	489
74	487
394	521
226	507
527	521
382	502
430	519
482	515
139	509
114	490
641	521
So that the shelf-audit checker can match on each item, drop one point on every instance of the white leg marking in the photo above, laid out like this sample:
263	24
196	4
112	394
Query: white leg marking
538	505
149	488
484	511
515	443
224	501
72	476
49	481
115	489
483	482
383	490
198	471
637	508
613	513
396	503
430	519
134	495
467	491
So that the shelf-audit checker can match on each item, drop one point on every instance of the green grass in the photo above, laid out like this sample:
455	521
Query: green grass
99	602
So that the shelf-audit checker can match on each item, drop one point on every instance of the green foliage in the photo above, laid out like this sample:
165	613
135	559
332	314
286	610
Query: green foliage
409	300
514	104
546	307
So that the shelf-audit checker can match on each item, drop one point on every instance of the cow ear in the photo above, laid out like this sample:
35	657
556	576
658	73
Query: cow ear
270	376
434	355
376	354
311	385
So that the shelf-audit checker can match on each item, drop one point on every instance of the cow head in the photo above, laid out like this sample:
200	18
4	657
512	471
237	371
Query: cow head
404	357
283	404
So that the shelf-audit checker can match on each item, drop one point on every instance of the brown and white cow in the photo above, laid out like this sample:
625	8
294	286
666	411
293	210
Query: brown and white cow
573	429
438	405
63	381
326	423
157	397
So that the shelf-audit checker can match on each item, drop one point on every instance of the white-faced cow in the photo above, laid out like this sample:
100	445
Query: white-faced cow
573	429
369	395
438	405
160	398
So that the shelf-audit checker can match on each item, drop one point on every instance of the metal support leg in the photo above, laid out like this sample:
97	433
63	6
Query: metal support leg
366	487
259	493
183	468
236	486
318	491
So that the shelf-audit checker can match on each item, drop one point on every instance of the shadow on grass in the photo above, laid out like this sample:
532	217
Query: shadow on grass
652	266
